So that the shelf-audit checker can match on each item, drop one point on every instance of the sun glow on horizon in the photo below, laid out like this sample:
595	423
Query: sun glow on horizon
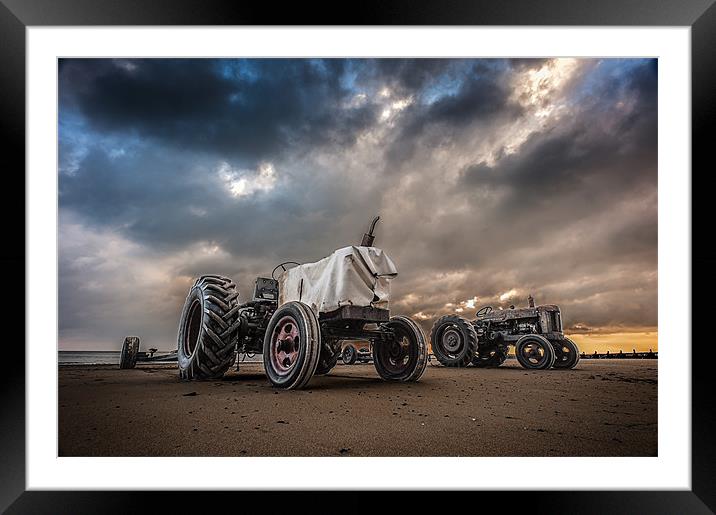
614	342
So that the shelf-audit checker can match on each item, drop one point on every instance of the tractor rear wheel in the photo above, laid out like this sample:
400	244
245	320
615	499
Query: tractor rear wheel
208	328
405	357
454	341
292	345
567	354
534	352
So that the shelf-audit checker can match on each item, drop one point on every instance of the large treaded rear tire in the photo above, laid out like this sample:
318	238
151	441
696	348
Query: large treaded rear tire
208	329
404	359
292	345
454	341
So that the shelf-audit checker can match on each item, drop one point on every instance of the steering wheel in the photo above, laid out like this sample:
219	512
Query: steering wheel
282	266
484	311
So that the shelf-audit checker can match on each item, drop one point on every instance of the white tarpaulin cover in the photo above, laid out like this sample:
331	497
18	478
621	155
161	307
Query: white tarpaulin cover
358	276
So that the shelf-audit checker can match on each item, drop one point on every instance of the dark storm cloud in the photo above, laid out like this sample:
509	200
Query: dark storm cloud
482	94
280	105
405	76
473	94
527	62
174	168
233	108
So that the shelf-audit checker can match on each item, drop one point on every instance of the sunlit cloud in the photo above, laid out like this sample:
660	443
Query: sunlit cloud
470	303
508	295
395	107
243	183
540	88
357	100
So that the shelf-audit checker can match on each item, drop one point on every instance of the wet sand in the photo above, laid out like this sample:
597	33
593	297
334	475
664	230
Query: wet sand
602	408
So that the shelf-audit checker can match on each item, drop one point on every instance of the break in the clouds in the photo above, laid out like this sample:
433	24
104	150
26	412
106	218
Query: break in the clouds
495	178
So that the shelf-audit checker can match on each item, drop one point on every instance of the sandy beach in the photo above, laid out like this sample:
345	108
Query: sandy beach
602	408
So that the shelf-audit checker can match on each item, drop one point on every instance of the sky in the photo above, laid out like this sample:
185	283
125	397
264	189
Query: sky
494	179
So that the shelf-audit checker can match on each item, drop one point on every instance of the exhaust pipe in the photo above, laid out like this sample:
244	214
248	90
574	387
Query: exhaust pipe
368	237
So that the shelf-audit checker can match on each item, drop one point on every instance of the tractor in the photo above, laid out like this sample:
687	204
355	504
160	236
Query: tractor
535	332
298	317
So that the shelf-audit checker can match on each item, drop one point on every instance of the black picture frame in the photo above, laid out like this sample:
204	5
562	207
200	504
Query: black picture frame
700	15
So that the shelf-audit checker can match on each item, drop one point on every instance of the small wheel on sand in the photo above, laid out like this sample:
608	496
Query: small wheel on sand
405	357
534	352
292	346
566	354
130	349
350	355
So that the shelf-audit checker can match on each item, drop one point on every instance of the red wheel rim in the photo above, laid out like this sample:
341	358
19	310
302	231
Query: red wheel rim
285	345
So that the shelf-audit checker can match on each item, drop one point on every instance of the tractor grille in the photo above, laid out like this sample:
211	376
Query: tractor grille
555	321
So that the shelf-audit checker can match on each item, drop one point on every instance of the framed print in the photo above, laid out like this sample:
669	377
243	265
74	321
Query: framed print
445	248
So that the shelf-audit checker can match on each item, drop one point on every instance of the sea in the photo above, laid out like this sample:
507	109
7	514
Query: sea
110	357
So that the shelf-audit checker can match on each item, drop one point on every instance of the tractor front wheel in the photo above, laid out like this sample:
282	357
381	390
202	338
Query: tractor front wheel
292	346
567	354
534	352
